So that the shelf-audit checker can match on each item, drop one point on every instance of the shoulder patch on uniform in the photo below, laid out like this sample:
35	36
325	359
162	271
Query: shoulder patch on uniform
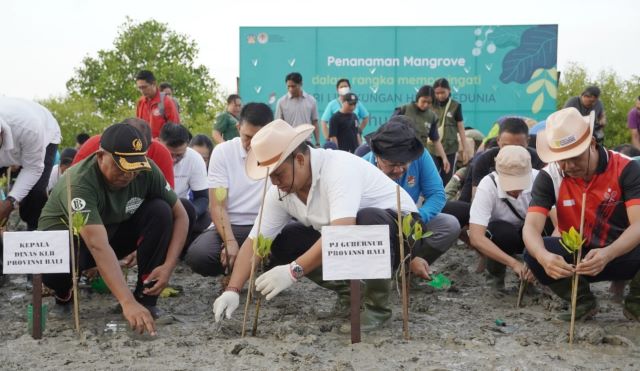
78	204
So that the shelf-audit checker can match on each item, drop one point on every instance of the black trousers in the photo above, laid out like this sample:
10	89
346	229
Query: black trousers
446	177
148	232
621	268
295	238
460	210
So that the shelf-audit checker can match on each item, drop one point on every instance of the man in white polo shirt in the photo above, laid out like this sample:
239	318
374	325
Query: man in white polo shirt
498	212
313	188
206	255
190	177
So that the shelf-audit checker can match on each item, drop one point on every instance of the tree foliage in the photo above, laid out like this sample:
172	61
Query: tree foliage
109	78
618	97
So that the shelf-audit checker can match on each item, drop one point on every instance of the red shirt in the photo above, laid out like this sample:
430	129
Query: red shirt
157	152
614	188
149	112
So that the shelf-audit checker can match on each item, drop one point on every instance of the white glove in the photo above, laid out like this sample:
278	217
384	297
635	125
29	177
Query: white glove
229	300
274	281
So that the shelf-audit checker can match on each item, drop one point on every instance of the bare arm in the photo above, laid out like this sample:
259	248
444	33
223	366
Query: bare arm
463	142
316	131
364	123
554	265
635	138
96	239
489	249
325	129
440	153
223	227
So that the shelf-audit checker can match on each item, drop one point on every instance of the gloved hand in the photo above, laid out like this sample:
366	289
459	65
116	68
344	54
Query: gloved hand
229	300
274	281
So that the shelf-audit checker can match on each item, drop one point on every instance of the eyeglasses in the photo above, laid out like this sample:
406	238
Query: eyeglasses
393	165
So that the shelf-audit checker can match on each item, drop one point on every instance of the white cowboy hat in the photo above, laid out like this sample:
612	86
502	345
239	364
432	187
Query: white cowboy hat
567	134
272	145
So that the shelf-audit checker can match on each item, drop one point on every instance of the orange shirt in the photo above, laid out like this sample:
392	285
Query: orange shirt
148	111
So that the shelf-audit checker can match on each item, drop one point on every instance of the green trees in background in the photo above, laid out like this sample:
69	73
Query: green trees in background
103	91
618	97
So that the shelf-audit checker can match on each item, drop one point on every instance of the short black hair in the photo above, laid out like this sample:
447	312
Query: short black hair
296	77
67	155
232	98
147	76
592	91
628	150
165	85
203	141
441	83
301	148
425	91
81	138
256	114
341	81
514	125
174	135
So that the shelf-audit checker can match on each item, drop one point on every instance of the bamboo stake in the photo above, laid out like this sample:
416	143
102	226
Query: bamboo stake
405	296
574	287
252	277
74	273
523	287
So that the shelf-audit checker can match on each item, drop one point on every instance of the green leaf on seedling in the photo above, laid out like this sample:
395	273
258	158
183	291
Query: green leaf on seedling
571	240
220	193
440	282
79	220
406	225
263	248
3	181
417	231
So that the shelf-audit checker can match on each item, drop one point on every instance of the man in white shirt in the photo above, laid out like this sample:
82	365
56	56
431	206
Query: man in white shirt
234	214
316	187
29	138
498	211
190	177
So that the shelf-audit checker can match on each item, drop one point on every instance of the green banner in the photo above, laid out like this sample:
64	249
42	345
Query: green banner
493	70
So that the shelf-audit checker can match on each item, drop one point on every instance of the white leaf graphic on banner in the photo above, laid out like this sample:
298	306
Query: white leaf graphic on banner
292	62
257	89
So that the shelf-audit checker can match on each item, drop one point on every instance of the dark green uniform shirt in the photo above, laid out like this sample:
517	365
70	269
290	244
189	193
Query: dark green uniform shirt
226	125
91	195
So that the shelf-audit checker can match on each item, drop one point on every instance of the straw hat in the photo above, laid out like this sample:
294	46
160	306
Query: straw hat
567	134
272	145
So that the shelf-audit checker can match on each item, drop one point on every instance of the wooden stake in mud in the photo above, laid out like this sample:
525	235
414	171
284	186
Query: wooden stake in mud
36	305
574	287
252	277
355	311
74	272
405	294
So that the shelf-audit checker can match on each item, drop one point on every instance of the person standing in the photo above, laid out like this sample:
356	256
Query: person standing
225	127
154	107
589	101
297	107
343	87
343	126
633	122
450	127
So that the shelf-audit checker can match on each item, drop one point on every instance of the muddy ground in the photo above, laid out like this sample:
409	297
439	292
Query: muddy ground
450	329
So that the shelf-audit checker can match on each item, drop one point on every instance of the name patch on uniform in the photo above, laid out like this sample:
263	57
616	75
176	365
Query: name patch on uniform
569	203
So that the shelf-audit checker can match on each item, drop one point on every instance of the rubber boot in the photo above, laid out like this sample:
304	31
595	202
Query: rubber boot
496	272
632	301
586	305
342	306
376	304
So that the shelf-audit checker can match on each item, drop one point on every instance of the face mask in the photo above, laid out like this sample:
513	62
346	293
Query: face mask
344	90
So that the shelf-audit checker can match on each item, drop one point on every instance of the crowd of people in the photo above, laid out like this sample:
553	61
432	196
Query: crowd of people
152	194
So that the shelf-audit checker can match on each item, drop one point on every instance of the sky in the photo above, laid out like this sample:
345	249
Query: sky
43	41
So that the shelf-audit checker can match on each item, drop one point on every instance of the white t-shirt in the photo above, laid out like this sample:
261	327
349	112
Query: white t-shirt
27	128
190	173
226	170
54	177
341	185
488	204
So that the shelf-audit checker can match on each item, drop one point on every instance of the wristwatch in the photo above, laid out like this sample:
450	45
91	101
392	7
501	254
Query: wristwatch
14	202
296	270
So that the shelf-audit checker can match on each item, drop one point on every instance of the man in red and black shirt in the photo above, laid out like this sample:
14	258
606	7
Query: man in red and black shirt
150	109
611	183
